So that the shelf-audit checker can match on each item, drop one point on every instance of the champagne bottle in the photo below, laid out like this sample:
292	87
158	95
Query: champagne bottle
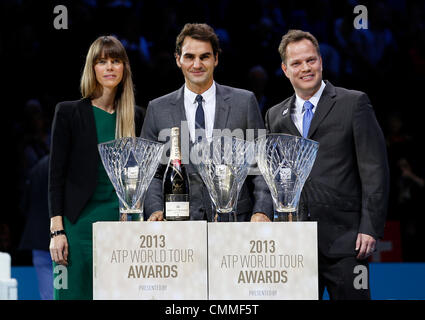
176	183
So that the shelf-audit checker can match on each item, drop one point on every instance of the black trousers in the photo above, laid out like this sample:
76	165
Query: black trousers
345	278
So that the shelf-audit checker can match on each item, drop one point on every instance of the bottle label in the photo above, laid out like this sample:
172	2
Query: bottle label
177	209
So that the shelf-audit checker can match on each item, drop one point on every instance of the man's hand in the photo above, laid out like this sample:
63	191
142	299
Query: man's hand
156	216
366	245
259	217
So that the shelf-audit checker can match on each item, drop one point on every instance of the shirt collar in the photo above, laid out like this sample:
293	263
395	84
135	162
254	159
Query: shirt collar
299	102
207	95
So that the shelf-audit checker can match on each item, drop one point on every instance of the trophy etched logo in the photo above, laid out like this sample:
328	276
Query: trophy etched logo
131	164
285	162
223	164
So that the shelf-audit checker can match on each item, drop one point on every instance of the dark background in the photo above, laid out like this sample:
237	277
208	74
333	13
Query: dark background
41	66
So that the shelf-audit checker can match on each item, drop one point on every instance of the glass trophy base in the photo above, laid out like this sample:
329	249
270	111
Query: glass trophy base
285	216
225	216
131	216
225	210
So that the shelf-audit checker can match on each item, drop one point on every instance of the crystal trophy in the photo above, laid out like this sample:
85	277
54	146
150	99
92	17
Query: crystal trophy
131	164
285	162
223	164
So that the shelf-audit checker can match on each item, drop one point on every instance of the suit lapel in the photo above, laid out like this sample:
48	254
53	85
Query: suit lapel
89	135
178	115
87	116
222	108
326	103
287	122
178	112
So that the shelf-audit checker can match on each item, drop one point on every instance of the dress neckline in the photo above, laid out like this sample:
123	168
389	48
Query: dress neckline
104	110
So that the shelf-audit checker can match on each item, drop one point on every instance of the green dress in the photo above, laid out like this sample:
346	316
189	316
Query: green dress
103	206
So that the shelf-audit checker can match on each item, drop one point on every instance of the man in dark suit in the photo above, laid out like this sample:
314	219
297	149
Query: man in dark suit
36	233
201	99
347	190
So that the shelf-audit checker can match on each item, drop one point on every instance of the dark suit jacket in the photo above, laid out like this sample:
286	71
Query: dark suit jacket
36	232
74	157
235	108
347	190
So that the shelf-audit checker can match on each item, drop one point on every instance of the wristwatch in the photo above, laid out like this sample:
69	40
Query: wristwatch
56	233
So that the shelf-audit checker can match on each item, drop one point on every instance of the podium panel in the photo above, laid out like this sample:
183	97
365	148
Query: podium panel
8	286
150	260
262	261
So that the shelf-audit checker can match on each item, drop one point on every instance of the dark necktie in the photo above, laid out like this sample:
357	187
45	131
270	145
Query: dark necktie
200	116
308	115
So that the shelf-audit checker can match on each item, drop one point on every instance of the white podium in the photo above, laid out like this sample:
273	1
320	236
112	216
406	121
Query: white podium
193	260
263	261
150	260
8	286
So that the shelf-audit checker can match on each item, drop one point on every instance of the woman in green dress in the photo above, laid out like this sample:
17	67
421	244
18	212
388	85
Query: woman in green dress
80	192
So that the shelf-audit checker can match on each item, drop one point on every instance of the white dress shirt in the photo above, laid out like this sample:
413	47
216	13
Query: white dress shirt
298	114
208	104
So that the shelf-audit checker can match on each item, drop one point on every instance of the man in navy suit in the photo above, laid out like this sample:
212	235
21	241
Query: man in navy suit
347	190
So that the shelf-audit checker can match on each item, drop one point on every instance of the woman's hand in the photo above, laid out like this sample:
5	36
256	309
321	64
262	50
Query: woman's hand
59	249
58	244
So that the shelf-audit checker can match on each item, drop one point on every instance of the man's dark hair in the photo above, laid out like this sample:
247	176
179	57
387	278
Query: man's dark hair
295	36
198	31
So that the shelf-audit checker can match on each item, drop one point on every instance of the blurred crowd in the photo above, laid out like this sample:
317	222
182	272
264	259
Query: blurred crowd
42	66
